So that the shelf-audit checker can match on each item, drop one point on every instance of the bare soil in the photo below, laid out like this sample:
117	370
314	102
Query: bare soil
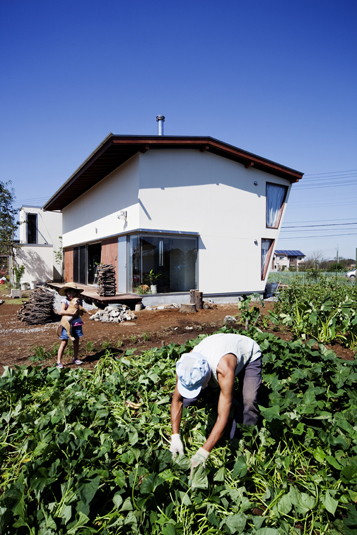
20	343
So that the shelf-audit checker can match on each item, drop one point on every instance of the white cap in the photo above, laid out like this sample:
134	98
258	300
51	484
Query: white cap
192	371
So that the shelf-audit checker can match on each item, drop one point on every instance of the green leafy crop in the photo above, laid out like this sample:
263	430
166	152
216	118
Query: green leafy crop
326	311
86	452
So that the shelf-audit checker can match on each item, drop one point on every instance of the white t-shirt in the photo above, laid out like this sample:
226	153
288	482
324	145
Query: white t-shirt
214	347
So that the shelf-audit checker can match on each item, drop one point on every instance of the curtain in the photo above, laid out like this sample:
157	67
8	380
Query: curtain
265	250
275	198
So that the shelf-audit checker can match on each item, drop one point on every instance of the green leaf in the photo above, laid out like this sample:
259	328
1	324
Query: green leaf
19	508
219	476
82	521
117	499
66	513
299	429
185	499
150	483
301	501
332	461
330	503
258	521
284	505
353	495
127	505
240	468
182	461
212	519
199	478
349	471
87	490
319	454
235	523
271	413
169	529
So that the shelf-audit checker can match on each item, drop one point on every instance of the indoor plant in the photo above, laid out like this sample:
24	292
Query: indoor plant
153	277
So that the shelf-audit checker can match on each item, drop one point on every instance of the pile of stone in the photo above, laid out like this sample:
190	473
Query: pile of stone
114	314
106	279
38	310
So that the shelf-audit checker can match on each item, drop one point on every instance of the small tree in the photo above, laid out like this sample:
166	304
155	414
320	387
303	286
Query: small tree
8	224
59	254
18	273
314	260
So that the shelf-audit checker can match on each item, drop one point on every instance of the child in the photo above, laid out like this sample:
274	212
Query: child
70	290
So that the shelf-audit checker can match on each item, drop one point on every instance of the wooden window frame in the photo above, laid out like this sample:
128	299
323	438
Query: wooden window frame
269	256
282	204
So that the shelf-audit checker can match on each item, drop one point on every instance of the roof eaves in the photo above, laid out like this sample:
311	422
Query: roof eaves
133	144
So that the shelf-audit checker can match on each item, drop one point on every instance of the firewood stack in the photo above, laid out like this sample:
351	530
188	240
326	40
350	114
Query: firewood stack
106	279
39	308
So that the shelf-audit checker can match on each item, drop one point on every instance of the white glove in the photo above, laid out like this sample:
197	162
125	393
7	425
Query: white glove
200	457
176	446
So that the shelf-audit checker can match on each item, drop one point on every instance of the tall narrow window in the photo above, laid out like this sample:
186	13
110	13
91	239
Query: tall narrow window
275	202
79	264
267	248
31	228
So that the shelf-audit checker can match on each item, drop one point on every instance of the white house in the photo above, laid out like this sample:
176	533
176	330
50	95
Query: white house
40	236
285	259
200	213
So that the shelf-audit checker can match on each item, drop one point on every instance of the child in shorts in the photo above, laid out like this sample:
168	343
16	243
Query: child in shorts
69	291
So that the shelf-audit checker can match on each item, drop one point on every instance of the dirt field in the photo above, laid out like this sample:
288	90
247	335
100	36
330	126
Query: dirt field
19	343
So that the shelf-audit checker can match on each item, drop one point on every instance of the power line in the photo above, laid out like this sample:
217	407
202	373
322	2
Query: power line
331	173
327	225
307	237
324	185
319	220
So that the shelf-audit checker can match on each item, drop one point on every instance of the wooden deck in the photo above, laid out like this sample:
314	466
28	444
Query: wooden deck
90	294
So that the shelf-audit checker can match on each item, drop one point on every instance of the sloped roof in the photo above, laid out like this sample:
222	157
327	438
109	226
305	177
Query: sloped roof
284	252
115	150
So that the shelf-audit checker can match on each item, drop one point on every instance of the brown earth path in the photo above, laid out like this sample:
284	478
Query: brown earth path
20	343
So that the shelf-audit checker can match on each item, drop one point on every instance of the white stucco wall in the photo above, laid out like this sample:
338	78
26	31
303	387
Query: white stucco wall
38	262
184	191
201	192
49	226
39	259
94	215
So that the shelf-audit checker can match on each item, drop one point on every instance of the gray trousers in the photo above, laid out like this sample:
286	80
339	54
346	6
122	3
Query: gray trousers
245	409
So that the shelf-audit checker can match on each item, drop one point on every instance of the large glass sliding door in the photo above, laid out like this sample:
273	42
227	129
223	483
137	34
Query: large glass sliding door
172	259
85	260
94	255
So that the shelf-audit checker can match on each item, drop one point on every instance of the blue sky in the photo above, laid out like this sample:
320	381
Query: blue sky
277	78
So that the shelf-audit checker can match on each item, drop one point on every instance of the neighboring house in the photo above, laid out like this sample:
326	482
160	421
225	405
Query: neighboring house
285	259
200	213
40	237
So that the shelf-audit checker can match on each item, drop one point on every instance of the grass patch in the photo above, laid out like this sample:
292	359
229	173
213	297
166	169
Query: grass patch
41	354
89	346
146	336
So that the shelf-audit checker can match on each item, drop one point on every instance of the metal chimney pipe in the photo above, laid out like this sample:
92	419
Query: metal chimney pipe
160	119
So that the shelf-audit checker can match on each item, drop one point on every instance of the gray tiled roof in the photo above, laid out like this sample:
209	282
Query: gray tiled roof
285	252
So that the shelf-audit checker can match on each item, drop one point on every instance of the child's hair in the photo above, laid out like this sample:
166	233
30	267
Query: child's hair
72	290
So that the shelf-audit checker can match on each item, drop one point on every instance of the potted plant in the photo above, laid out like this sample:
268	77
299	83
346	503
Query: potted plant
18	273
152	280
